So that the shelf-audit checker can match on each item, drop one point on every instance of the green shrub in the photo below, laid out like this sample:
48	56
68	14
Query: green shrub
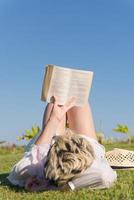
29	134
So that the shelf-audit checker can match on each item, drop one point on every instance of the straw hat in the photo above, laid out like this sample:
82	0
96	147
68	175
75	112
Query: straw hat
120	158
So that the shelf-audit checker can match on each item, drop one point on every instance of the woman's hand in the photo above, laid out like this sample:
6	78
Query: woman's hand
59	111
56	116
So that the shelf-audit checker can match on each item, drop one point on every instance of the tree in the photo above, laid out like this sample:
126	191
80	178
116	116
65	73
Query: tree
121	128
100	137
100	134
29	134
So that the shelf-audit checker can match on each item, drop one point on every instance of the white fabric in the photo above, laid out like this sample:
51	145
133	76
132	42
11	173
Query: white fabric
32	164
98	175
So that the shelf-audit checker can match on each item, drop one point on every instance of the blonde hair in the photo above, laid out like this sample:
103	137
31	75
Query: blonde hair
68	156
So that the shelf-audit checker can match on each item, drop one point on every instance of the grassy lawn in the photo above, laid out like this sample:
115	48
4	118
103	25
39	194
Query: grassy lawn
122	190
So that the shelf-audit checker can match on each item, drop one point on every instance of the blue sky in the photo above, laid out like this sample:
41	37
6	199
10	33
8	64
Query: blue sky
86	34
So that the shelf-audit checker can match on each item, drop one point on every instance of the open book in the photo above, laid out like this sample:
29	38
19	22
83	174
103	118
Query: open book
66	82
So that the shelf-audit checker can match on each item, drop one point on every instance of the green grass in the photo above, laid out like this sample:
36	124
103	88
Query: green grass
122	190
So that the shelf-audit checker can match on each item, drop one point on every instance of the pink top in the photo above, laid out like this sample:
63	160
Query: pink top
98	175
32	164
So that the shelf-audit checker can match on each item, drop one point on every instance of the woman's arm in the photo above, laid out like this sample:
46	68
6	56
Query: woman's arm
56	116
61	127
49	131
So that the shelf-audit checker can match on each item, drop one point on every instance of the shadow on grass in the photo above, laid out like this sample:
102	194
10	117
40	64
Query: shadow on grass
4	182
3	179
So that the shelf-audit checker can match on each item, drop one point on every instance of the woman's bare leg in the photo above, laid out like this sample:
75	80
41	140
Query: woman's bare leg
61	128
80	120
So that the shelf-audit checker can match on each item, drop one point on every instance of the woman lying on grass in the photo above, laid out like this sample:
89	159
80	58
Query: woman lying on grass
64	158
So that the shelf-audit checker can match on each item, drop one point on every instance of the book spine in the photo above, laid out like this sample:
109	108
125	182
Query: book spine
46	82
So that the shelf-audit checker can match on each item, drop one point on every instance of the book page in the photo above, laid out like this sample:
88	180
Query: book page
67	82
59	84
80	85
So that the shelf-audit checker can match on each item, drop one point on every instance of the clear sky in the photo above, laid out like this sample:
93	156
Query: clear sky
85	34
